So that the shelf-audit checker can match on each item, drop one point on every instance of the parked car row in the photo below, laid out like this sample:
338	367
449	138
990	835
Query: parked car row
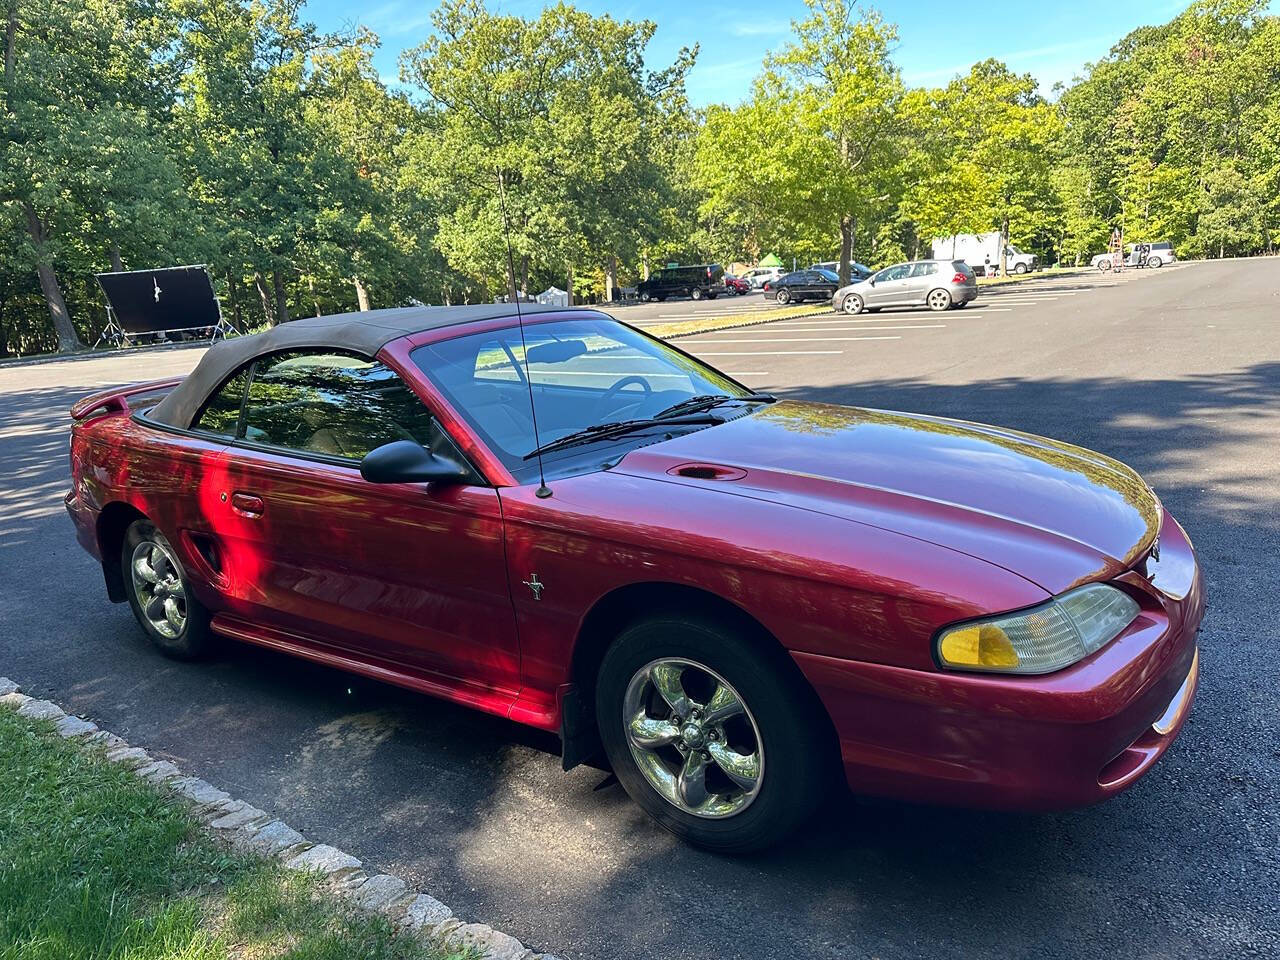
937	284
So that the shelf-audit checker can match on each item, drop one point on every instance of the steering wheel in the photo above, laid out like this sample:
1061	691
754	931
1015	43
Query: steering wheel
620	384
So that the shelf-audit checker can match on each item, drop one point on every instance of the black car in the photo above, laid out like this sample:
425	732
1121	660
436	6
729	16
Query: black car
698	281
803	285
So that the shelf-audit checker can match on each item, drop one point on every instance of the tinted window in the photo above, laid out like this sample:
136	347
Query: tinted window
828	276
332	404
221	411
897	272
923	269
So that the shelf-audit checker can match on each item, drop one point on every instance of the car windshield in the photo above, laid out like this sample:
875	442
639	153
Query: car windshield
585	373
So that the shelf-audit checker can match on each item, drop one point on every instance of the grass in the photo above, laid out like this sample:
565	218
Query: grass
95	863
679	328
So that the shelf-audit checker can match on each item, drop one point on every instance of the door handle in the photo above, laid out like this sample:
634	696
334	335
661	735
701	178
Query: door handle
247	504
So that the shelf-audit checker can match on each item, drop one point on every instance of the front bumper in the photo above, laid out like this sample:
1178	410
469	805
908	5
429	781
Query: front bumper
1058	741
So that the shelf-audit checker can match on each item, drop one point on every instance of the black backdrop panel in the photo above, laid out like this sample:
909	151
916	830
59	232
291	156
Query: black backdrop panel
171	298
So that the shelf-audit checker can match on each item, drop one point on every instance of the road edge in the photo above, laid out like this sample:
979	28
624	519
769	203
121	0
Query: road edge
254	831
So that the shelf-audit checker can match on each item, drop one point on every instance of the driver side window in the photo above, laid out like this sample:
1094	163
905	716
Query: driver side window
332	404
897	272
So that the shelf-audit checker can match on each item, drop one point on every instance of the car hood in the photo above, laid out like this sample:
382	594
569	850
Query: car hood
1054	513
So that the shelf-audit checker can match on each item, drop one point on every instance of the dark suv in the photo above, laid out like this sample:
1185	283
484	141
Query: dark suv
702	280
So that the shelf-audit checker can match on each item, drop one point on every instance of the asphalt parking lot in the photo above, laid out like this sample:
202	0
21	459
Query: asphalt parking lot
1175	371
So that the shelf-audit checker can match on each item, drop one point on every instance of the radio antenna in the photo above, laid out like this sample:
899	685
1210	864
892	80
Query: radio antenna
543	490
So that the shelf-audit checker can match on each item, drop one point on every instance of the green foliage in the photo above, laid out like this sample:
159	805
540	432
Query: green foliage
232	132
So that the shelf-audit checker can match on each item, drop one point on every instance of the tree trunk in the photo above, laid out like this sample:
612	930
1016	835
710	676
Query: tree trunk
570	287
233	294
645	268
846	247
1004	247
611	280
265	297
362	295
282	304
117	262
524	275
68	339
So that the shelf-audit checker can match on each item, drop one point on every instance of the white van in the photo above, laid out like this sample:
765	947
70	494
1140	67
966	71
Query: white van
980	249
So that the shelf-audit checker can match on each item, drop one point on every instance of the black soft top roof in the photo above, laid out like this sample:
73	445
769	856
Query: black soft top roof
364	333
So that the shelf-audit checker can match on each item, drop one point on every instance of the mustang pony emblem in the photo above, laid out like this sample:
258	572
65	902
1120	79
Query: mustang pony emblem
533	584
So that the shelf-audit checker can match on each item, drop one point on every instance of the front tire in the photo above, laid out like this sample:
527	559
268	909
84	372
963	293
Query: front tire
696	293
853	304
160	594
1020	268
712	737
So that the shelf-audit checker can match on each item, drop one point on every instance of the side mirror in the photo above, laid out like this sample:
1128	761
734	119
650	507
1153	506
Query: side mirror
403	461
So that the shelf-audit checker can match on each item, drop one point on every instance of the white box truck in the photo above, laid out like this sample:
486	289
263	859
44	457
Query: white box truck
979	249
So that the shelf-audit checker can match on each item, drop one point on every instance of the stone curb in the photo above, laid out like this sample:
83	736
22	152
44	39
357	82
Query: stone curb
255	831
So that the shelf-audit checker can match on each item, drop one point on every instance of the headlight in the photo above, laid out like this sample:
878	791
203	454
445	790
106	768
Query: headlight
1046	638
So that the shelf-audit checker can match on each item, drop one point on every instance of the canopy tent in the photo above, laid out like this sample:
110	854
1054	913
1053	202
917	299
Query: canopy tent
554	296
770	261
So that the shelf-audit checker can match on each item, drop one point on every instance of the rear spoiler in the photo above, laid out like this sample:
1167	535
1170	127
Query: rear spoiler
117	399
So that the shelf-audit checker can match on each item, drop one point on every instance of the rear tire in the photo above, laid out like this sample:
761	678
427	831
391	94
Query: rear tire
160	594
776	741
1155	263
938	299
784	296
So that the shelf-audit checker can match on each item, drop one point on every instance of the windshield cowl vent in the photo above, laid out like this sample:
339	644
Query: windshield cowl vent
707	471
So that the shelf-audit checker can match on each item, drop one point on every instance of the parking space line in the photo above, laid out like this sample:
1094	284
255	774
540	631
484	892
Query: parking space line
775	353
911	326
794	340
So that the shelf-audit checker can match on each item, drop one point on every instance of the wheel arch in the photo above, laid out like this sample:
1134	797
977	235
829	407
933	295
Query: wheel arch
627	604
113	520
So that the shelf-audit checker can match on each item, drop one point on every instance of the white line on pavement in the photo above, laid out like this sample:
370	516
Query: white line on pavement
773	353
905	326
716	343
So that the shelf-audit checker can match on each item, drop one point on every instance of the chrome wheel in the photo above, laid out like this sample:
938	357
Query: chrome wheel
158	586
693	738
939	300
853	304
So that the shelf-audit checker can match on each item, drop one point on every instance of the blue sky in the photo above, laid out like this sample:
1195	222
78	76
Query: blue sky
936	40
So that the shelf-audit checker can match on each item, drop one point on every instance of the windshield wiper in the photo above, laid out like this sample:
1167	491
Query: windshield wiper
706	401
603	431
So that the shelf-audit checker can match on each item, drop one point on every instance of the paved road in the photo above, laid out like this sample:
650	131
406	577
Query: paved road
1176	372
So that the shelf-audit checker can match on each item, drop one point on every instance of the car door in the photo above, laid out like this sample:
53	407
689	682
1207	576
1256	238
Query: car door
411	574
917	283
888	286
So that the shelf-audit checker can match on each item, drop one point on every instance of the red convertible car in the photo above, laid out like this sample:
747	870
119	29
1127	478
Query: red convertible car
732	599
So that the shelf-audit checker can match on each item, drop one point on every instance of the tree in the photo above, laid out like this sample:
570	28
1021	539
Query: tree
805	157
86	86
